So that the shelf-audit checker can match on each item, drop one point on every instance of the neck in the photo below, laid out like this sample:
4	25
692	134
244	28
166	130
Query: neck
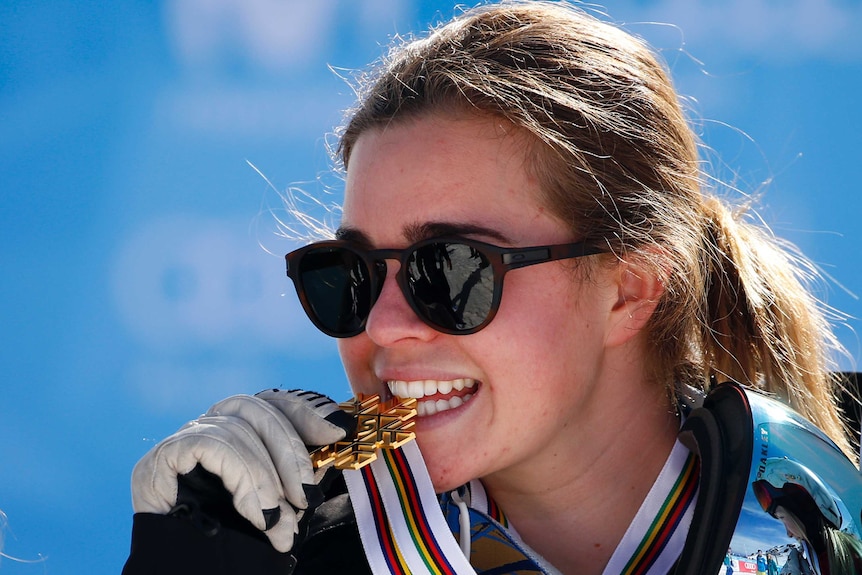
573	502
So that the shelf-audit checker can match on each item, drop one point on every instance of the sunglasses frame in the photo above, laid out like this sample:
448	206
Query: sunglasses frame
502	261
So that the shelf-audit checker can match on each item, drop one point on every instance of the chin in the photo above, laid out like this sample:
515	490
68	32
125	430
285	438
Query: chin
444	484
446	473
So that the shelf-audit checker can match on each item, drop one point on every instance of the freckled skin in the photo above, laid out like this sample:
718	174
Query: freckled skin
542	429
523	358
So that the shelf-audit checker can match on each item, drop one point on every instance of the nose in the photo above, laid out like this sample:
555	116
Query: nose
392	320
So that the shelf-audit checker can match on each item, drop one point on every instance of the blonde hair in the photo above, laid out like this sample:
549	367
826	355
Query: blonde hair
618	162
843	552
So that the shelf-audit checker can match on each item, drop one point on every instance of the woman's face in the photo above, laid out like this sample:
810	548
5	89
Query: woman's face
514	392
791	523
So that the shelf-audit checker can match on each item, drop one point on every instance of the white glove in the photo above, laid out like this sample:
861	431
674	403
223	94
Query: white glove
256	445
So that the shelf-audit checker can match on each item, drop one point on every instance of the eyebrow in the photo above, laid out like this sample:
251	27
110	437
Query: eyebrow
426	230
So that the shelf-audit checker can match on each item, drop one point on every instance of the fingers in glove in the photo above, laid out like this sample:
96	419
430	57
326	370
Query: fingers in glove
317	418
229	448
281	441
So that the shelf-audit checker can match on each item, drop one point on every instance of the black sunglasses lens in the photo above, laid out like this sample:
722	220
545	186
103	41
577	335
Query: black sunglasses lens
452	285
337	288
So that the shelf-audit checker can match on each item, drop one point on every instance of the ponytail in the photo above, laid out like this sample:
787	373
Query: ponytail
843	552
762	326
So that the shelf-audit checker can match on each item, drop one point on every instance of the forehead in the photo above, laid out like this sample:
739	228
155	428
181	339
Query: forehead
470	171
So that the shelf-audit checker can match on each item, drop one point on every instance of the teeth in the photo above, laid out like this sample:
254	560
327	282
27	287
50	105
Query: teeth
424	408
423	388
415	389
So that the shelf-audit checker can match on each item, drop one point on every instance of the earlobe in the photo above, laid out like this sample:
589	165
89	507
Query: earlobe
639	289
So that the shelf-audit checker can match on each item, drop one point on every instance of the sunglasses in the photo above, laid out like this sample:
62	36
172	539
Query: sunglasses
453	284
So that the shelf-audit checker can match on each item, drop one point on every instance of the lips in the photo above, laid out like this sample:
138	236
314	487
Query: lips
434	396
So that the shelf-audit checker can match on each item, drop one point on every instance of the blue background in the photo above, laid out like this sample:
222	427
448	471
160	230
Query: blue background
142	277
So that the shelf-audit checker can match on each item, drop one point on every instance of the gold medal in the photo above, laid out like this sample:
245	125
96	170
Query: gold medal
379	425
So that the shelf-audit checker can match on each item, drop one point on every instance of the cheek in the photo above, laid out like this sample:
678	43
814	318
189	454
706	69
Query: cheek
535	333
556	331
549	310
354	352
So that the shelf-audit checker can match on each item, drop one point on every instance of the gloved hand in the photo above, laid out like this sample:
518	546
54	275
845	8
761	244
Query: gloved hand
256	446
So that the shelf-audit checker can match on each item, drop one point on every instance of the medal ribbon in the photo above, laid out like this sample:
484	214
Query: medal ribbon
400	521
658	532
404	531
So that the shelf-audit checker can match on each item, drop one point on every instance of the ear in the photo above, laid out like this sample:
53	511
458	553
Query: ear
639	289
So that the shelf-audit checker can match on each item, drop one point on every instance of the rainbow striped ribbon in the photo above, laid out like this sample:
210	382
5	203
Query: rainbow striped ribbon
480	501
400	521
404	531
656	536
